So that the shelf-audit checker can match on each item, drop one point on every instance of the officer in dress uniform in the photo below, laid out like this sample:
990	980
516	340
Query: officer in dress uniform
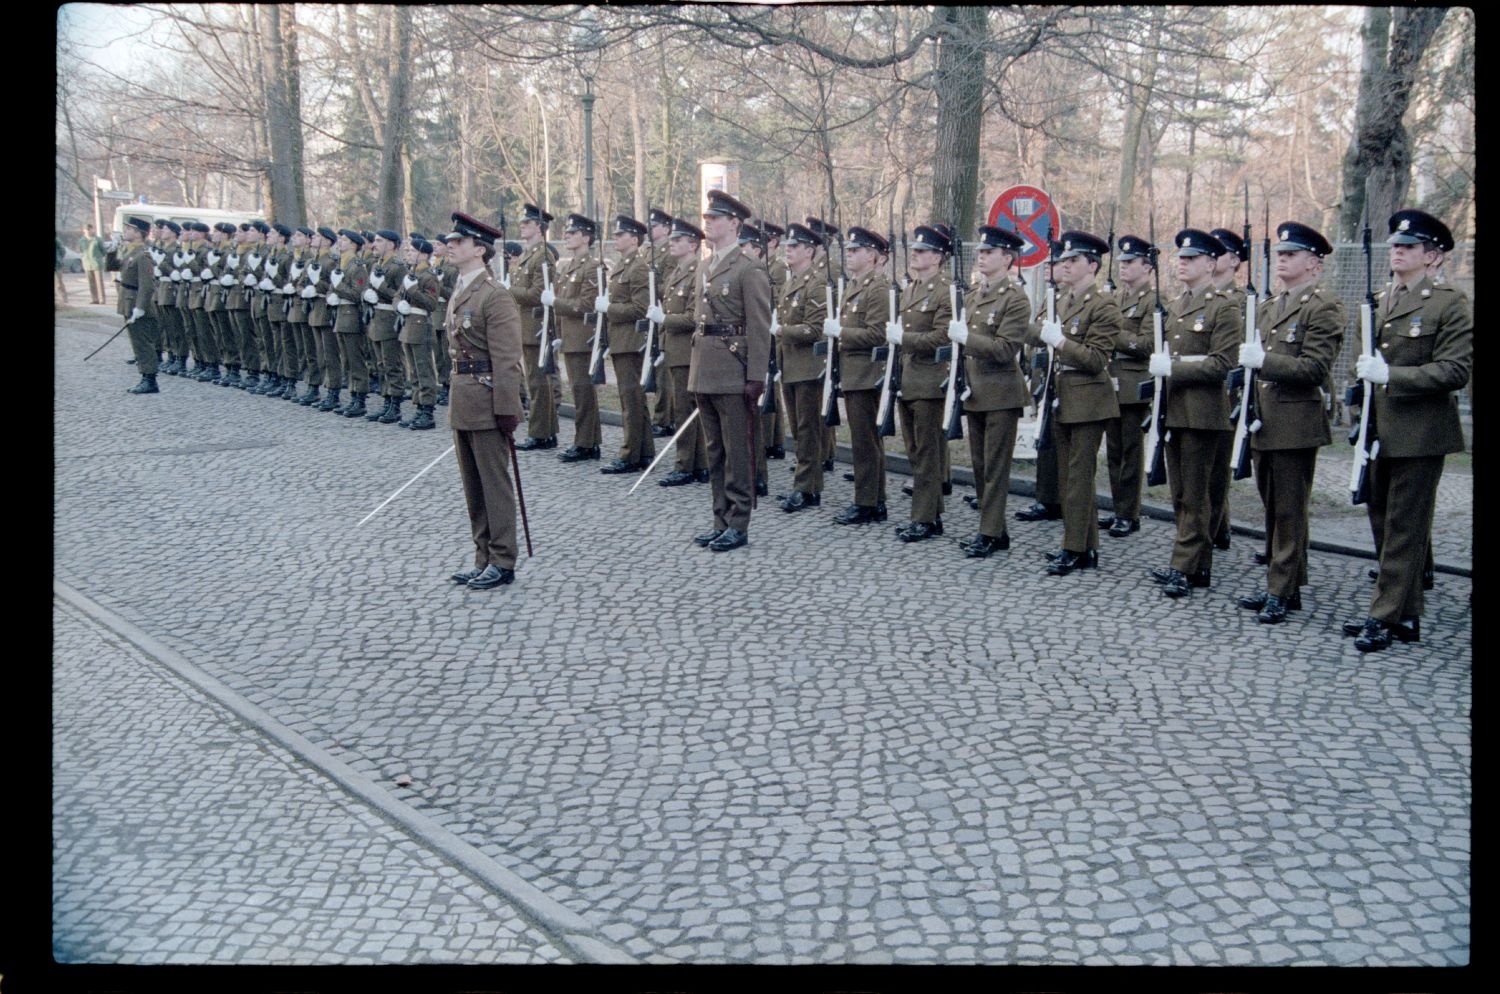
1301	331
441	360
135	302
1424	335
624	305
926	313
1123	436
572	299
1047	505
731	350
1082	340
526	286
831	272
860	334
484	328
1203	331
1226	273
663	414
675	314
752	243
800	312
996	324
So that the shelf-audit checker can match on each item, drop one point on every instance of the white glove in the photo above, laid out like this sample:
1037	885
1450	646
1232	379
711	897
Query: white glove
505	281
249	279
1373	368
601	303
1161	364
336	277
1252	355
408	281
333	299
548	298
314	271
958	332
207	274
832	328
265	284
1052	333
309	292
271	269
176	276
893	332
376	279
402	306
254	260
286	287
370	296
213	259
775	324
226	280
296	270
135	312
655	314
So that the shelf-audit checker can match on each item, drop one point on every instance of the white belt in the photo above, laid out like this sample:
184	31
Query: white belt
416	310
1191	358
385	307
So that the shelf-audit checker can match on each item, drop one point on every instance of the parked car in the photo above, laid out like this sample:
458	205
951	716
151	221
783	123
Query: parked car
72	261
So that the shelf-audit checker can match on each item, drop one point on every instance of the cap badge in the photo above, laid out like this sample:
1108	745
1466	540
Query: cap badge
1405	223
1283	235
1184	242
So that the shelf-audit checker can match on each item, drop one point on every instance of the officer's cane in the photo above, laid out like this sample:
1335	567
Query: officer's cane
520	495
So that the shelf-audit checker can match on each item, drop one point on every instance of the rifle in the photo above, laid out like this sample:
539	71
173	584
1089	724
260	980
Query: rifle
601	332
958	387
1265	248
890	386
654	354
1247	418
1046	397
830	403
547	361
1366	447
1156	428
504	276
767	402
1109	274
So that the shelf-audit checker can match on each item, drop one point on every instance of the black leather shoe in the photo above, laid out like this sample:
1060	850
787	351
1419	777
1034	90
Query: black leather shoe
1119	528
574	454
856	514
828	467
442	397
311	397
1428	580
676	478
620	466
1257	601
1202	578
530	443
659	431
1221	541
1040	512
972	500
776	452
1054	555
847	476
1258	558
147	385
1176	585
1373	636
707	537
493	576
729	538
919	530
1070	561
762	488
701	476
465	575
985	544
1106	520
1274	611
1161	574
1406	630
797	500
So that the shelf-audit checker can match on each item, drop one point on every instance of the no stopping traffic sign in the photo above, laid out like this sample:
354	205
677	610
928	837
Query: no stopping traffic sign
1030	213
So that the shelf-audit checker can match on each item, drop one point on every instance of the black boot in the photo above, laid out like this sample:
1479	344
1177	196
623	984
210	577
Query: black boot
356	406
392	413
250	382
442	397
385	406
147	385
423	420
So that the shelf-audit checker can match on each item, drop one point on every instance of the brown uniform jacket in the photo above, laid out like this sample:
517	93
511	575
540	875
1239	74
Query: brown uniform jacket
319	276
1203	332
1427	338
294	274
800	311
419	288
1135	342
192	269
235	266
383	321
165	294
678	299
484	325
1301	336
135	281
213	259
352	283
1090	324
866	309
629	296
253	270
526	287
999	317
737	292
926	308
575	287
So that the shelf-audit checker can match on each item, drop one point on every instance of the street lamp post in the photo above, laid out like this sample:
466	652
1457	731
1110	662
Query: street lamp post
590	47
588	143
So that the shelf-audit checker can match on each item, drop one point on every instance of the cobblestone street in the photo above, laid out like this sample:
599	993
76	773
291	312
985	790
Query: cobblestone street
827	747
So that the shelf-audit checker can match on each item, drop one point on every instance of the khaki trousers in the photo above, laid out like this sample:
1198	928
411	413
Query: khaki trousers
1077	462
922	424
726	431
1284	478
638	446
1190	464
992	443
484	467
692	450
808	433
1403	493
864	440
585	401
1126	445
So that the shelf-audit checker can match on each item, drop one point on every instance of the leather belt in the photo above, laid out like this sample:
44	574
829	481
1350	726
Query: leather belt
472	366
385	307
127	286
416	310
941	356
723	329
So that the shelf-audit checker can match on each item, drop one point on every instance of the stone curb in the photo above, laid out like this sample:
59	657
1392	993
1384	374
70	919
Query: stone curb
574	934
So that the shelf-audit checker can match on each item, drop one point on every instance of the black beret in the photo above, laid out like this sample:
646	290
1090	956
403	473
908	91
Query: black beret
991	237
226	227
927	238
308	232
284	231
441	237
865	238
1073	243
158	222
1133	247
328	233
684	227
465	226
416	236
822	228
802	235
512	248
352	235
261	226
388	235
577	222
1294	237
1409	227
721	204
140	223
369	235
658	216
1191	241
245	226
422	245
172	227
1234	243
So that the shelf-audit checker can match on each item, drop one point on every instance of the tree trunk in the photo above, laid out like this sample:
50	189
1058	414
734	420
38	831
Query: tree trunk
388	210
638	140
283	113
1377	164
1135	118
960	91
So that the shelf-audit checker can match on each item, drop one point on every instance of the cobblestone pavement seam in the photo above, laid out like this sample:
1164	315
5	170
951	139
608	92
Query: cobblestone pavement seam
571	931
